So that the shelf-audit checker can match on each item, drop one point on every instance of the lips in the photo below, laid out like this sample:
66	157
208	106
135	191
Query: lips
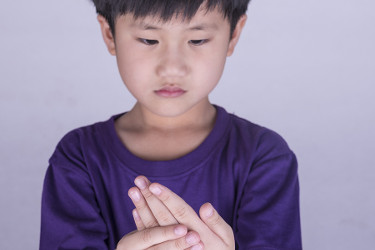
170	91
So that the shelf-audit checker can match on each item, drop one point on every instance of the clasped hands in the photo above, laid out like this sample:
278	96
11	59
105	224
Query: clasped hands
165	221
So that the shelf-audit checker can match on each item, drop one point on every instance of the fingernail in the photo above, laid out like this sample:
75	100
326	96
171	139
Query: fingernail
210	211
197	247
141	183
180	230
155	190
192	239
136	215
135	195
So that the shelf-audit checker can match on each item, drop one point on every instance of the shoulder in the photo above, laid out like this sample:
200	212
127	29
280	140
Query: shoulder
262	140
80	135
74	144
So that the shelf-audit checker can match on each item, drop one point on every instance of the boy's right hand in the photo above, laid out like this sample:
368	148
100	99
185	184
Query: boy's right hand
163	207
160	237
144	216
163	232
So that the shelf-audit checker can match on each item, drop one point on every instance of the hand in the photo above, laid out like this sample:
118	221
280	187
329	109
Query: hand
168	237
160	204
145	220
150	211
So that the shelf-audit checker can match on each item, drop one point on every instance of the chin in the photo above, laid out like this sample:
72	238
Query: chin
170	111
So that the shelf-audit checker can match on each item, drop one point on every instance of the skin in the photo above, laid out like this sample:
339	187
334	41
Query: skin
156	206
154	55
159	128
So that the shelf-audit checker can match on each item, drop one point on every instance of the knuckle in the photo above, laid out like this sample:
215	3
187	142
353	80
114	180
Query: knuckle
141	206
181	212
163	217
150	224
165	198
165	233
147	194
146	235
180	244
216	220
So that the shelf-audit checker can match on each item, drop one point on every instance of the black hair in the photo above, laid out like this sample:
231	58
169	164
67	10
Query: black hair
167	9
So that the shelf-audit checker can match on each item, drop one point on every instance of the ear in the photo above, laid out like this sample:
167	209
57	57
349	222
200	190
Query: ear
236	34
107	35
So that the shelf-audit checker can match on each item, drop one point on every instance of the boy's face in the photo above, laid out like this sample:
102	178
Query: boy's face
170	67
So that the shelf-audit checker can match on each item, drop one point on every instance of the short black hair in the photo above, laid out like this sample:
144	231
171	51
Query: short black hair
167	9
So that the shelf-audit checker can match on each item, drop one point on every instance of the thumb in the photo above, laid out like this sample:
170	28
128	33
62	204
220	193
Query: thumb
216	223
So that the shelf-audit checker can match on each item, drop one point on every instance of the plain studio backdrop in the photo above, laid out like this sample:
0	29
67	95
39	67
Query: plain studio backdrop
305	69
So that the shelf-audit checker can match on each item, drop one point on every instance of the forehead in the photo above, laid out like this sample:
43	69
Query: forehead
202	20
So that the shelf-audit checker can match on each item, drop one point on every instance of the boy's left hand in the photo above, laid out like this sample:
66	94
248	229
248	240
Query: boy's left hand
157	205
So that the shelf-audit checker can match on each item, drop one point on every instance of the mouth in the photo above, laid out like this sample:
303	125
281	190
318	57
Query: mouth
170	92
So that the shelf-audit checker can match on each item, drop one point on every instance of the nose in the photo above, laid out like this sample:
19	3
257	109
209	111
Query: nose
172	63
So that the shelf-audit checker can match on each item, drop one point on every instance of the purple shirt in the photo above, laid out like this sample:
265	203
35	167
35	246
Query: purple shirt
247	172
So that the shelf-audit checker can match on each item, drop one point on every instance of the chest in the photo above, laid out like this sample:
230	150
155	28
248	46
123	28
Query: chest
163	146
211	181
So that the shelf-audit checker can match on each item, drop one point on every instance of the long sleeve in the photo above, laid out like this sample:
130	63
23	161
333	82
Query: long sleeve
268	214
71	217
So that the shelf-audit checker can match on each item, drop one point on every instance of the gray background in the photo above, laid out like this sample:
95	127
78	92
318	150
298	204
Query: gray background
302	68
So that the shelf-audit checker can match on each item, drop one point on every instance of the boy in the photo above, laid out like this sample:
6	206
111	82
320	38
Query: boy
170	55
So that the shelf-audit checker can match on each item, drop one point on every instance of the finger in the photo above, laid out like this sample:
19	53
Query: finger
180	210
151	236
143	210
190	240
138	220
159	210
199	246
216	223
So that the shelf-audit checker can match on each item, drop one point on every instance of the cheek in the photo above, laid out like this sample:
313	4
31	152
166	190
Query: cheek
212	67
132	66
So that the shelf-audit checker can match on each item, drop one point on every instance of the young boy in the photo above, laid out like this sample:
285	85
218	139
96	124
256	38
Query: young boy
205	179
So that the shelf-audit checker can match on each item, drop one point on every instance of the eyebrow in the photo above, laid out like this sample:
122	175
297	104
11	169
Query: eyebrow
145	26
204	26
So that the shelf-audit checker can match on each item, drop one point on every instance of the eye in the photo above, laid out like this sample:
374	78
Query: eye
198	42
148	41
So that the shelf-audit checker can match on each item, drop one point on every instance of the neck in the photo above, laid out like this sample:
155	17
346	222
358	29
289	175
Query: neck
200	116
